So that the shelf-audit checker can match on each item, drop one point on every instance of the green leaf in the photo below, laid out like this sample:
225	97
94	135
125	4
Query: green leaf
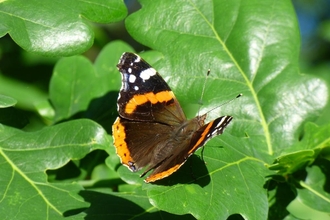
45	110
6	101
289	163
27	95
252	48
271	85
58	28
315	141
315	138
24	158
300	211
77	85
313	193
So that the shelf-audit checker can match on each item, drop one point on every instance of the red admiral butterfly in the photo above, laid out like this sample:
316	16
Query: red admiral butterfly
152	130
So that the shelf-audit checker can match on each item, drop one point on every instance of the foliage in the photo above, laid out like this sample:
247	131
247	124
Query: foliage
270	156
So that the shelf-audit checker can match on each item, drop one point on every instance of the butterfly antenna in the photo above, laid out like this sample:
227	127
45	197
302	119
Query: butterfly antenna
203	90
225	103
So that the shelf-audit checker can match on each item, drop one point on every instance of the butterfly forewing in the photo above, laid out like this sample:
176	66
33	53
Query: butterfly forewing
144	95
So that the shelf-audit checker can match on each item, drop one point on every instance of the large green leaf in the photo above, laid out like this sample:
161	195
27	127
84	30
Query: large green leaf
252	48
25	156
56	27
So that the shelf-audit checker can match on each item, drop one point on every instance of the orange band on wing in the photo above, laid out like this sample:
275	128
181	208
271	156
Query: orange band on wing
158	176
154	98
201	138
118	132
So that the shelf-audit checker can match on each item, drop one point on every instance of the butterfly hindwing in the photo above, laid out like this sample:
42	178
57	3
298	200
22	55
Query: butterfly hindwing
180	155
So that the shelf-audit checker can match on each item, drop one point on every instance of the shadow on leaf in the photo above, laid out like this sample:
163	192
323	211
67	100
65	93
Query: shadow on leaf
110	206
192	172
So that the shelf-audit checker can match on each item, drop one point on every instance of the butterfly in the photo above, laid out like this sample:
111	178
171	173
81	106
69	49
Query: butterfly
152	130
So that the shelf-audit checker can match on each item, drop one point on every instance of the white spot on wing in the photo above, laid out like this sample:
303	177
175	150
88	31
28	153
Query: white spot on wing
132	78
129	70
136	88
146	74
138	59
